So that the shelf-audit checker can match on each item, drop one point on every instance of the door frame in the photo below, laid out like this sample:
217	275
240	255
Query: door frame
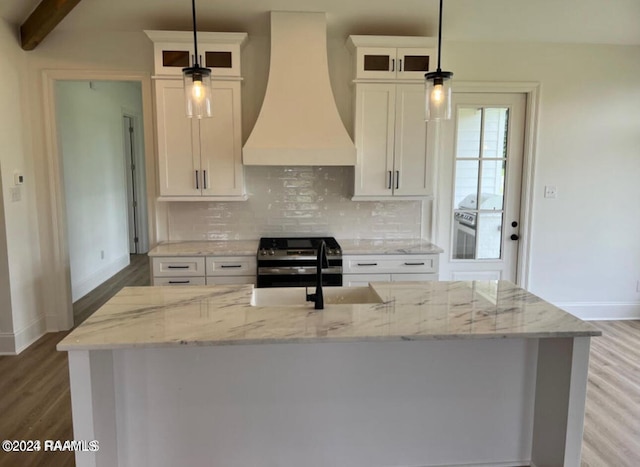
62	316
532	92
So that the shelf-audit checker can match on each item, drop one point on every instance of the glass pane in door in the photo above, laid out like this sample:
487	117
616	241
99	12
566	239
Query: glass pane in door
479	182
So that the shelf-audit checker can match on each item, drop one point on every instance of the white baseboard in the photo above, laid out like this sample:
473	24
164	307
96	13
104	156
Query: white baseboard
14	343
602	311
82	288
7	343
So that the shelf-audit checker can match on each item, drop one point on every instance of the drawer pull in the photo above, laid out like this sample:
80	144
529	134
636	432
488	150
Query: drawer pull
367	264
414	264
179	282
177	267
231	266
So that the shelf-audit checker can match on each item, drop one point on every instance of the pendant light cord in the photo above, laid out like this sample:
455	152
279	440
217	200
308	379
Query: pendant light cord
195	36
439	35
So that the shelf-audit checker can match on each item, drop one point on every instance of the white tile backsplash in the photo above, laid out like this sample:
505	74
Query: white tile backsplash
295	200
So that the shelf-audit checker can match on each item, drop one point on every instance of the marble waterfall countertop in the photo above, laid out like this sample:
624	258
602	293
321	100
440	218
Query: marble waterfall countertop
223	315
250	247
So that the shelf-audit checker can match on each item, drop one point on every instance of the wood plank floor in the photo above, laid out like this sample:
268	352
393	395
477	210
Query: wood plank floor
35	401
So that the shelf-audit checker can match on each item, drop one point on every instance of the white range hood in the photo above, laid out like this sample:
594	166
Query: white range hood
299	123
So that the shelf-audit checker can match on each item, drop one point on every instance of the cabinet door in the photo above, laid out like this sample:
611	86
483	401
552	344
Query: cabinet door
412	172
222	59
376	62
172	57
374	134
221	143
178	159
413	63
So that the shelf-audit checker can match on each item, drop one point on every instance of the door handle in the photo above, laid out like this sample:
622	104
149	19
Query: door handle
389	185
400	65
397	179
177	267
197	180
414	264
367	264
393	64
204	179
231	266
514	237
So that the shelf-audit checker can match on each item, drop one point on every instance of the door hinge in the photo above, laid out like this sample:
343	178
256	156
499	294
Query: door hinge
130	129
135	240
135	204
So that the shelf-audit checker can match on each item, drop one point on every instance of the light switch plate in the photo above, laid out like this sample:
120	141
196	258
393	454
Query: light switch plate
550	191
16	194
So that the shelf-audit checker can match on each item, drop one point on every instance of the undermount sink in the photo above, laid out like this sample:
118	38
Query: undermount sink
296	296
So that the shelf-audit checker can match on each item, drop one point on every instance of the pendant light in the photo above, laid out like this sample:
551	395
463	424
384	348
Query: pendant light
438	87
197	81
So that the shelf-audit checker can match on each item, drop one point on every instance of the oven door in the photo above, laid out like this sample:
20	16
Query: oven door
297	276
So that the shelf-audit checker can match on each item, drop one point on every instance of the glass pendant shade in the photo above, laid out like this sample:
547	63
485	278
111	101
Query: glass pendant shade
438	95
197	91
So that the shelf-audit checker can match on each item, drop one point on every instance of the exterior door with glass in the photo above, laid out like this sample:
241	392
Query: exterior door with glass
480	187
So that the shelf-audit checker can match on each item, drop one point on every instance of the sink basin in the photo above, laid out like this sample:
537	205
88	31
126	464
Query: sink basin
296	296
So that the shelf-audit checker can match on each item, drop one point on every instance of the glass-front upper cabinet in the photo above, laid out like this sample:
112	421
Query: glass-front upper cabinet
218	51
393	57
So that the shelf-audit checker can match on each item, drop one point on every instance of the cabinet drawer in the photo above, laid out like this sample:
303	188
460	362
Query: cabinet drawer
178	266
362	280
227	280
179	280
402	264
231	266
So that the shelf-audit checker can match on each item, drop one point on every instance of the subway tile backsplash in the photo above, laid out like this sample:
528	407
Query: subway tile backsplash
295	200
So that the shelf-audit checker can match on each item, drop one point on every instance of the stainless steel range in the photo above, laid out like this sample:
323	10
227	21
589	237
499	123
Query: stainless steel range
292	261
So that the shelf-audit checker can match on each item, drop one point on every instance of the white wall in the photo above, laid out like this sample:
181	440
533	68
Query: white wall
23	318
585	252
91	139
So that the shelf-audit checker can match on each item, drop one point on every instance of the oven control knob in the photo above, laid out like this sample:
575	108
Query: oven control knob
263	252
271	252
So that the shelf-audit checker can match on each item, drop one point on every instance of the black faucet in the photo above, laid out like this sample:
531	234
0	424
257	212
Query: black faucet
321	262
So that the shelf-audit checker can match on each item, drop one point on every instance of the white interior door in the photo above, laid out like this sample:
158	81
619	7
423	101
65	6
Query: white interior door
480	187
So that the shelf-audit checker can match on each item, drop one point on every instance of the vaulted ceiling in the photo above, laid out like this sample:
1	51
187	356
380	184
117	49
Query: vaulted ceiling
572	21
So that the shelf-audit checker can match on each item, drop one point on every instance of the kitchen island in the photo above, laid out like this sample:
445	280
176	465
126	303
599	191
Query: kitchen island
403	374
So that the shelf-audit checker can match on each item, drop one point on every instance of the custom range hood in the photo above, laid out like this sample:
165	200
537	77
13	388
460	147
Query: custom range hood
299	123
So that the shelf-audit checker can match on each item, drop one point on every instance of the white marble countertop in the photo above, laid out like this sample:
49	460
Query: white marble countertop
204	248
223	315
388	247
250	247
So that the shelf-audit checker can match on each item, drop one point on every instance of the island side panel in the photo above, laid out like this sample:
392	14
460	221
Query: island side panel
93	406
561	389
350	404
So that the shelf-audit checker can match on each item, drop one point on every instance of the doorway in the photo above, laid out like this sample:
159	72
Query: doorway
97	156
479	218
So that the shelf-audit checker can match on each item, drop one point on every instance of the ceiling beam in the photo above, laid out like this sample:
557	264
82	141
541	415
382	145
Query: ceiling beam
43	20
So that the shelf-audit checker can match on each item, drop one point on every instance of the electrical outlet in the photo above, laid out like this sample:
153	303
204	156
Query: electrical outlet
550	191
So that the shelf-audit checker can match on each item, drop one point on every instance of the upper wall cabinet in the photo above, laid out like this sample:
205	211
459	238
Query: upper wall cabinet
220	51
199	159
394	160
392	57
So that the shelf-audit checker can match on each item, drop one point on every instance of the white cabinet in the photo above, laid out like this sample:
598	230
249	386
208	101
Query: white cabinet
199	158
394	159
173	51
201	270
393	57
359	270
391	141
